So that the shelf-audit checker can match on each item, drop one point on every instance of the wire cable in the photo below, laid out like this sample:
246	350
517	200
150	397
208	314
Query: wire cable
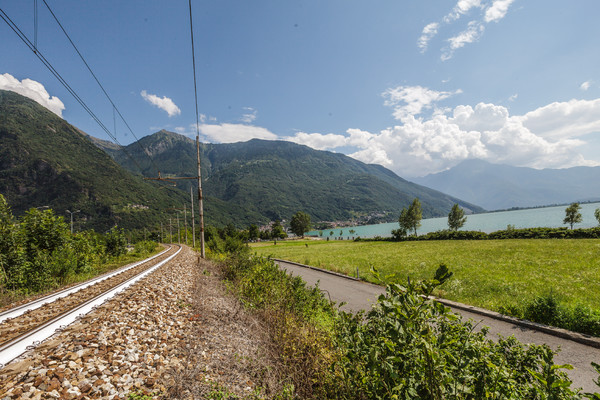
194	66
115	108
54	72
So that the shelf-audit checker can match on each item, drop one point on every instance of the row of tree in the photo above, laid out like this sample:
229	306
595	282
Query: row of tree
410	218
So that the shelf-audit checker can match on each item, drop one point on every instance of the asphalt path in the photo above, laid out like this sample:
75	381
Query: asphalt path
360	295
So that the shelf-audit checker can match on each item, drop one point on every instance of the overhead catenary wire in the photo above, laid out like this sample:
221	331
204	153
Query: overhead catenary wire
115	108
58	76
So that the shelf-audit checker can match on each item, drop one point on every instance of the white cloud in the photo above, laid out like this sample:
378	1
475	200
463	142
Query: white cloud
543	138
489	11
164	103
497	10
412	100
585	85
461	8
428	33
513	97
231	133
562	120
250	116
319	141
471	34
34	90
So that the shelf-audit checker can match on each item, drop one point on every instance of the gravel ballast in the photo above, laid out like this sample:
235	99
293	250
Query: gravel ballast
176	334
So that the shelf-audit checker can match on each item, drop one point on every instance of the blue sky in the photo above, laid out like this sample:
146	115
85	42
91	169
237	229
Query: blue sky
417	86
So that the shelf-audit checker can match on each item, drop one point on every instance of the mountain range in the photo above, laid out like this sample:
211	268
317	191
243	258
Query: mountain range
498	187
264	180
46	162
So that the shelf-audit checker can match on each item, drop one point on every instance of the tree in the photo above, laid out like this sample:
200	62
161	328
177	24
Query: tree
300	223
277	231
572	214
410	219
597	215
253	232
456	218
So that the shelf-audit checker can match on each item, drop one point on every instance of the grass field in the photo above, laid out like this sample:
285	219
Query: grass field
487	273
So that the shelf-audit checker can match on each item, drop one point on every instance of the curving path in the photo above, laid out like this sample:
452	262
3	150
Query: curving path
360	295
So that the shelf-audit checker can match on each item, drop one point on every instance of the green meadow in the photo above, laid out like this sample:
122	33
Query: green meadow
487	273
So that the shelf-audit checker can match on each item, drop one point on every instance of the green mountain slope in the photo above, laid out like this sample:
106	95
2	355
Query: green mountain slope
44	161
258	180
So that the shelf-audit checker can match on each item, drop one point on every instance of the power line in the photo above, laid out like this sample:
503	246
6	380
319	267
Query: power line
115	108
58	76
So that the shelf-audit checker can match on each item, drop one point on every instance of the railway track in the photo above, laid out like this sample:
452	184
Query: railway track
29	324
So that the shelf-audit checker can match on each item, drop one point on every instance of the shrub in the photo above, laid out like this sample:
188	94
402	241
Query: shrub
549	310
144	247
115	242
298	320
409	346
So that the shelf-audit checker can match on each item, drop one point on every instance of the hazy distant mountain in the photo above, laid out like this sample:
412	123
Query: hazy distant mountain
45	161
259	180
496	186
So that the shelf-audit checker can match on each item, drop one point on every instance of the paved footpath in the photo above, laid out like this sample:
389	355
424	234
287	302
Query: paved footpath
360	295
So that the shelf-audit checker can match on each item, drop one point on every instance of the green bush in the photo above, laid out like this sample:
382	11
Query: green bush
410	347
144	247
510	233
115	242
549	310
406	347
38	252
298	319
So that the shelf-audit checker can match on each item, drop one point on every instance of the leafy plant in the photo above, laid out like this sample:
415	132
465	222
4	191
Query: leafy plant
409	346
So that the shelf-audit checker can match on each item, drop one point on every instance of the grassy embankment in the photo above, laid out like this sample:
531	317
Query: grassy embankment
492	274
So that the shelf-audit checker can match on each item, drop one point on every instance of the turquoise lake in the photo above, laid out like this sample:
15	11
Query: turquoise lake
487	222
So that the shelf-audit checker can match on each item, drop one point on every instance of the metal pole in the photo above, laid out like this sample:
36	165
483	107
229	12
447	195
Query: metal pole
161	232
193	227
200	208
170	230
74	212
178	230
185	223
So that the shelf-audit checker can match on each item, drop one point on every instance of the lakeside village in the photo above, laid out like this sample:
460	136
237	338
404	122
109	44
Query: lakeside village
373	218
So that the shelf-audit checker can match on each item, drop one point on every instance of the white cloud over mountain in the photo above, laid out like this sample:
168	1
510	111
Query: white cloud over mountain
547	137
34	90
231	133
164	103
412	100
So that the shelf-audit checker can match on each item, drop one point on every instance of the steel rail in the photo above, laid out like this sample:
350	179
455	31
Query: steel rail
19	345
32	305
